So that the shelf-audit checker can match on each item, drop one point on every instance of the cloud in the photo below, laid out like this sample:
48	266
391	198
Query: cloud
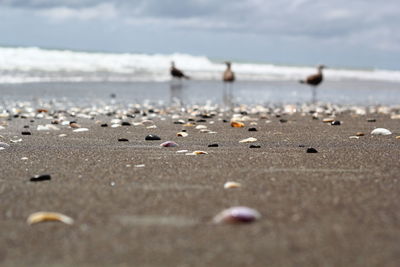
357	22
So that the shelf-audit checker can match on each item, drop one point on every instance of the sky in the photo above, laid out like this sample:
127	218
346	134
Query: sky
340	33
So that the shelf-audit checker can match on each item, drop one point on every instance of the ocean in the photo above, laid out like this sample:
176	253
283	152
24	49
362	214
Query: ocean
30	73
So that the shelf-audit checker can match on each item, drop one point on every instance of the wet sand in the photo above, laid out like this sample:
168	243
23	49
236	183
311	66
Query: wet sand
338	207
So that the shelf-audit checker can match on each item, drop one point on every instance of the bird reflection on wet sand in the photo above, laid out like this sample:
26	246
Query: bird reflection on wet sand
176	93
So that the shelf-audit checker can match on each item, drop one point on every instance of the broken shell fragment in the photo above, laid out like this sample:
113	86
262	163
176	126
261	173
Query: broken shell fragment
201	127
197	152
80	130
229	185
248	140
328	120
360	134
169	144
381	131
182	134
44	216
237	215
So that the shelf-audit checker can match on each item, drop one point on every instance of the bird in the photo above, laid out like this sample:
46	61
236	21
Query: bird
229	75
177	73
314	80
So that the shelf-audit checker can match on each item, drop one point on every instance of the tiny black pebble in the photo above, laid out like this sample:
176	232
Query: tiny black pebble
337	123
252	130
26	126
283	120
152	137
32	120
371	120
201	120
213	145
190	119
125	123
104	125
26	133
302	145
225	121
254	146
178	122
184	130
41	178
311	150
123	140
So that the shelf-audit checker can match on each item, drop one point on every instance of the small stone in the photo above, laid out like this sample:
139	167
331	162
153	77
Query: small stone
123	140
283	121
254	146
169	144
104	125
248	140
302	145
179	122
230	185
381	131
74	125
371	120
201	120
360	134
237	124
26	133
40	178
24	158
152	137
125	123
26	126
311	150
336	123
237	215
213	145
252	129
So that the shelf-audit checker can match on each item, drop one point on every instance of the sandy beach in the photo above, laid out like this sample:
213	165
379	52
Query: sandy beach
138	204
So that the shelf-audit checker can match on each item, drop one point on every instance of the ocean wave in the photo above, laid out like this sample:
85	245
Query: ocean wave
32	64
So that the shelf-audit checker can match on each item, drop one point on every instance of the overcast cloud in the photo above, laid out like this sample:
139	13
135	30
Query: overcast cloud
371	25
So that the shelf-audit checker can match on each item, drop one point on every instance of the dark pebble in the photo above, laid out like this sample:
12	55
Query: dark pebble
201	120
26	133
213	145
190	119
125	123
207	116
254	146
371	120
113	95
130	116
282	121
302	145
252	130
41	178
337	123
104	125
225	121
311	150
178	122
184	130
26	126
123	140
152	137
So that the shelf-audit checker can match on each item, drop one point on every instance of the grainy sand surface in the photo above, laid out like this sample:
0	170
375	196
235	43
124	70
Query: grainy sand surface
338	207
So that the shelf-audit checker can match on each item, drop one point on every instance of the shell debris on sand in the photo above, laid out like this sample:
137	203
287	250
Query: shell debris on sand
44	216
237	124
381	131
182	134
237	215
230	184
80	130
197	152
248	140
169	144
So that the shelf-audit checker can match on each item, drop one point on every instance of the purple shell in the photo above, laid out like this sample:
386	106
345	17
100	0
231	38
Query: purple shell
169	144
237	215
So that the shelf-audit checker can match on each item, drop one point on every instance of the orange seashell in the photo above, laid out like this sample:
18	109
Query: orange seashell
44	216
236	124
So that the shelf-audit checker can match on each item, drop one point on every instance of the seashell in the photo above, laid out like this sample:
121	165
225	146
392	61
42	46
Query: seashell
62	135
237	215
354	137
80	130
397	137
116	121
140	166
115	125
381	131
152	137
182	151
197	152
205	131
40	178
360	134
201	127
24	158
169	144
151	127
16	140
328	120
229	185
44	216
74	125
237	124
395	116
2	127
182	134
188	124
248	140
4	145
253	123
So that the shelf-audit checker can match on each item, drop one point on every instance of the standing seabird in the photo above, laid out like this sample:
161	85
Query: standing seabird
177	73
229	75
314	81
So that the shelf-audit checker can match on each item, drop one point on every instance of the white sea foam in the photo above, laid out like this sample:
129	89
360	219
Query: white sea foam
22	65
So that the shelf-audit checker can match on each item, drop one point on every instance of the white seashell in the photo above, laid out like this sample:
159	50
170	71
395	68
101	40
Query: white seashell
237	215
79	130
229	185
140	166
115	125
201	127
197	152
2	127
151	127
65	123
62	135
354	137
24	158
248	140
205	131
44	216
116	121
381	131
182	134
182	151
